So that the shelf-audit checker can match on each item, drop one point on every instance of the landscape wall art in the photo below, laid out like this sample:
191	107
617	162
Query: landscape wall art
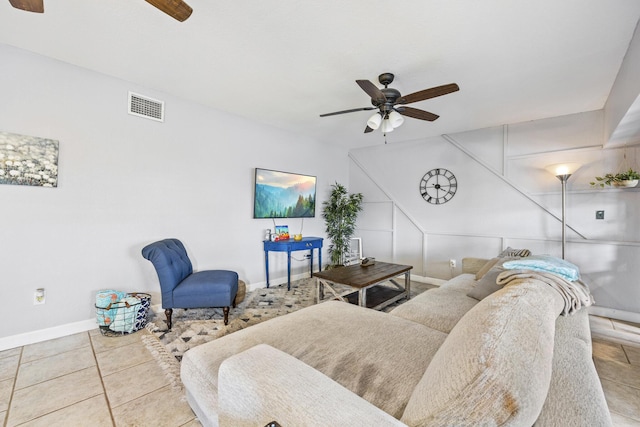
284	195
28	160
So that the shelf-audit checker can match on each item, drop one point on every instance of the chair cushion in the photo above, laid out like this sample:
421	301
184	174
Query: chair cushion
209	288
170	259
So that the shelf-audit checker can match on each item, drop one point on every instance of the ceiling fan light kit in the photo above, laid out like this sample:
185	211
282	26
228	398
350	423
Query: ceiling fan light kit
395	119
386	126
390	104
374	121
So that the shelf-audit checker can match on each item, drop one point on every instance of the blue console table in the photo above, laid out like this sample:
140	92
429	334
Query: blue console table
288	246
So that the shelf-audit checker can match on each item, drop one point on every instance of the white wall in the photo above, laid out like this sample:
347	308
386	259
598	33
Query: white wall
505	198
126	181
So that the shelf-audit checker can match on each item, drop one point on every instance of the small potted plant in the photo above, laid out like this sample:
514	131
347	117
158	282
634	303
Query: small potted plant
621	179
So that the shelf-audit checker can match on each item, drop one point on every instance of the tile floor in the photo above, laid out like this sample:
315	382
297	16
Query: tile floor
616	353
87	379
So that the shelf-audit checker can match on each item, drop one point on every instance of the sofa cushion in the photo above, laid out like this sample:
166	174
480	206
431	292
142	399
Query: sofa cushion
440	308
575	392
359	348
263	384
495	366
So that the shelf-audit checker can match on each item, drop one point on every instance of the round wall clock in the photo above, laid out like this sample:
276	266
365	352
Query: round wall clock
438	186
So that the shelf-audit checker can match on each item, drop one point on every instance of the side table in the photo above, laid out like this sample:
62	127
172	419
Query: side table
288	246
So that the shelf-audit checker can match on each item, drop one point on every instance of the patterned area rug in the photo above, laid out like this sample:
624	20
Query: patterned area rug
194	327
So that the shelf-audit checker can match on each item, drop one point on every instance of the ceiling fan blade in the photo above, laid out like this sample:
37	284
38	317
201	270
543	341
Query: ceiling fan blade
428	93
177	9
417	114
29	5
372	90
348	111
368	129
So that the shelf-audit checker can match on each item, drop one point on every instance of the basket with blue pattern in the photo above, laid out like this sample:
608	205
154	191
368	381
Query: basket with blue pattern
120	313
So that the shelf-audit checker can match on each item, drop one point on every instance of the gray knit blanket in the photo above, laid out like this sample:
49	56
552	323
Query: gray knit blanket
575	294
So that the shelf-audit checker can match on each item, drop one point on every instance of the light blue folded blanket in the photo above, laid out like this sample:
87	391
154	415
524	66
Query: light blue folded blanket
547	264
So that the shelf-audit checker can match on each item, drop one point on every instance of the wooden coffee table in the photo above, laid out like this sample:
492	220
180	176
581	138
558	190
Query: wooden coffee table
366	282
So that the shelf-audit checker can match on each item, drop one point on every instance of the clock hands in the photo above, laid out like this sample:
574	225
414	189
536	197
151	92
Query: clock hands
437	180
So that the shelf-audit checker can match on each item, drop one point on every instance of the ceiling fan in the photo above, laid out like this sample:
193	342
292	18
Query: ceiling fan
177	9
391	104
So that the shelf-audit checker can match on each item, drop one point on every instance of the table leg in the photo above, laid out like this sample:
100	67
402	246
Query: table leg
407	284
311	263
362	297
288	270
266	265
319	291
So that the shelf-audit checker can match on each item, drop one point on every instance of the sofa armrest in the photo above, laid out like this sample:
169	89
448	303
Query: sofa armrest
263	384
472	265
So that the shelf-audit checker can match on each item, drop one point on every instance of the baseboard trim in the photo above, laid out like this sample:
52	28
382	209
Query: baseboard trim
47	334
429	280
89	324
613	313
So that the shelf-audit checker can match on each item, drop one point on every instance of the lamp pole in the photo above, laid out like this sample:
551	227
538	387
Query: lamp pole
563	171
564	179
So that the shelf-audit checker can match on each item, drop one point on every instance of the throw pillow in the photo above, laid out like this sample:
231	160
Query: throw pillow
515	252
487	285
486	267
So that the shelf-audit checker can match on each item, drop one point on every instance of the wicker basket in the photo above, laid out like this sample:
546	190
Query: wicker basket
125	316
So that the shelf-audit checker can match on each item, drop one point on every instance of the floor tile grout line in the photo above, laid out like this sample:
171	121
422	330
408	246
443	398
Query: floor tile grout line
626	355
58	409
104	389
128	402
13	388
56	354
120	369
53	378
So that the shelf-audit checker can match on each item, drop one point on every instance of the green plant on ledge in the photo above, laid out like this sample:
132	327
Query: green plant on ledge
340	213
615	179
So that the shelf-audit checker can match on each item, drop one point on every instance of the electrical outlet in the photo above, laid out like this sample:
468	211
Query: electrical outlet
452	263
39	296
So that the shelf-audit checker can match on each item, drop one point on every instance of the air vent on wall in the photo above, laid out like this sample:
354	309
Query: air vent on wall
143	106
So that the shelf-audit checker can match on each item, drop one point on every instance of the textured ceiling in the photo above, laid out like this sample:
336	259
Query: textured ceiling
285	62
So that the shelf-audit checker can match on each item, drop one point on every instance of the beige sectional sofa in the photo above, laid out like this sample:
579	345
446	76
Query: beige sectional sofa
442	358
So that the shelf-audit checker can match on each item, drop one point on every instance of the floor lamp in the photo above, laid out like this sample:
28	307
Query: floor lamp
563	171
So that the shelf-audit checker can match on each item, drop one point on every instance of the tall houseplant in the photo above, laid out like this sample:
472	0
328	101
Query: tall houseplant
340	213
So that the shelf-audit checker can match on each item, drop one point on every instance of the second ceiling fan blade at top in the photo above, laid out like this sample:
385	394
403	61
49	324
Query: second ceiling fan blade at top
372	90
177	9
428	93
36	6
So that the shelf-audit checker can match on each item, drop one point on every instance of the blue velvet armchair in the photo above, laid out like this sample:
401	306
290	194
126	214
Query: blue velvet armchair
182	288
